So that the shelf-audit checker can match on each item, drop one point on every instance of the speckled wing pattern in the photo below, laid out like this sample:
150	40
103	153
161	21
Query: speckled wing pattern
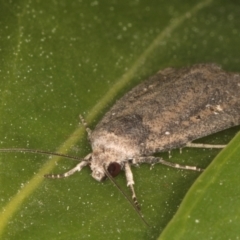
176	106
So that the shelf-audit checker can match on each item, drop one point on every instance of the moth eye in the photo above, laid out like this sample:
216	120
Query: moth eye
114	169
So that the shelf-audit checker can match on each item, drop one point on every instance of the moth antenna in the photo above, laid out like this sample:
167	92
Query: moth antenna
23	150
125	195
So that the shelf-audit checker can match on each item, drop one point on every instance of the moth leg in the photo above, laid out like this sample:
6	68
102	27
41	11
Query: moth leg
89	131
130	183
154	160
203	145
77	168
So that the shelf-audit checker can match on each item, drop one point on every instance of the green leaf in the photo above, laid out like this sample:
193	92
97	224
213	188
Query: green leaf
63	58
210	210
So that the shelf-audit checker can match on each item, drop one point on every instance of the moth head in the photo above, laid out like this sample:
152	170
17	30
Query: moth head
103	161
99	173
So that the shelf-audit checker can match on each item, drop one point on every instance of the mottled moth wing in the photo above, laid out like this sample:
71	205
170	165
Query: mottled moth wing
176	106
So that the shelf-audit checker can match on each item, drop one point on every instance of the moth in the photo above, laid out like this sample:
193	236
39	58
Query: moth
167	111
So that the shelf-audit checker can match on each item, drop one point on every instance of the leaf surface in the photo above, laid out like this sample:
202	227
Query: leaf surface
63	58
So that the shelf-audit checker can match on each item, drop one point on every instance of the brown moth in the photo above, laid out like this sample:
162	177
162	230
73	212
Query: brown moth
169	110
